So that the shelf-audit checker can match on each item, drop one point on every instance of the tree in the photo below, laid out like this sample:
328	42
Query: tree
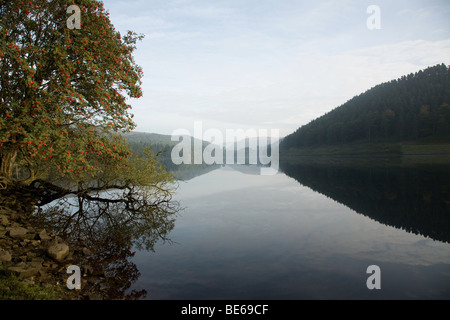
63	91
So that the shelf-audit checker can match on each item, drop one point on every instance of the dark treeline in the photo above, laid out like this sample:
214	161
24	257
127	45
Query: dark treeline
415	199
413	107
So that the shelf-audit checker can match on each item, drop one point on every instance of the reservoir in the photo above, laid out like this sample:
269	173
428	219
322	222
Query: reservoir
309	232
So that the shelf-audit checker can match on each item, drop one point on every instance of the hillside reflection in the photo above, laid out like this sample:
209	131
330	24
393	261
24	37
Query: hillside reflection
414	198
104	235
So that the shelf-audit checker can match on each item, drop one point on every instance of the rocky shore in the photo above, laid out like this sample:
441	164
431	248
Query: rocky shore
36	256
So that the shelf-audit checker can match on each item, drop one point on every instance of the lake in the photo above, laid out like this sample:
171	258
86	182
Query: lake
309	232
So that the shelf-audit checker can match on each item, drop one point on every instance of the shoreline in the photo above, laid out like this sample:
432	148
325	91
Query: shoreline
409	152
34	262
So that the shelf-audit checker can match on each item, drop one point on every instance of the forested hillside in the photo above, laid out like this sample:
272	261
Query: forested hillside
414	107
162	145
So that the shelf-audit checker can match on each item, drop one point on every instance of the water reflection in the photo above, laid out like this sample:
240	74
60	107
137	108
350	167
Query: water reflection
415	198
105	233
245	236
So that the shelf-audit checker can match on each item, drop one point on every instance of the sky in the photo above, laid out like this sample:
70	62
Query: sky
271	64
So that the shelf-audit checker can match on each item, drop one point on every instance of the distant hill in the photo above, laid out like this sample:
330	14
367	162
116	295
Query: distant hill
415	107
162	145
138	141
149	138
158	142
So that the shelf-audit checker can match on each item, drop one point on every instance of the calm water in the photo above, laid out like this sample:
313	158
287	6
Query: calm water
309	233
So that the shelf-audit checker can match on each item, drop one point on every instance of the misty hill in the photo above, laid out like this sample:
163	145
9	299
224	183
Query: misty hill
162	145
415	107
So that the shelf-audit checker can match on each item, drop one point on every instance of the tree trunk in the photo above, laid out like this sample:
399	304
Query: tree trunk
7	161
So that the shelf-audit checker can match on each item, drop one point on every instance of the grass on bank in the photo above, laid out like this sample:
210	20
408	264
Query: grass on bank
15	288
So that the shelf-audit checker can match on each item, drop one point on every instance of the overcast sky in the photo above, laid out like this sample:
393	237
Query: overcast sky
271	64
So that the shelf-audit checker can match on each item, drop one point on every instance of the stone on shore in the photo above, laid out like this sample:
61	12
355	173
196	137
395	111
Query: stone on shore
4	220
44	236
58	250
5	256
24	270
18	232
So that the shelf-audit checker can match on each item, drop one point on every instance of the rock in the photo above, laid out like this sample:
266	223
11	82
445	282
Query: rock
95	296
45	277
104	286
87	270
58	250
18	232
50	265
36	264
24	271
44	236
86	252
5	256
38	259
4	220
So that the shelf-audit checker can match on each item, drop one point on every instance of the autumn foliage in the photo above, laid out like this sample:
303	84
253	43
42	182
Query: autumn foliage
63	92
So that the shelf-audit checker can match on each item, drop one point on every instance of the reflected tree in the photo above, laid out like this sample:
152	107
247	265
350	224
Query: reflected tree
412	198
110	217
108	230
